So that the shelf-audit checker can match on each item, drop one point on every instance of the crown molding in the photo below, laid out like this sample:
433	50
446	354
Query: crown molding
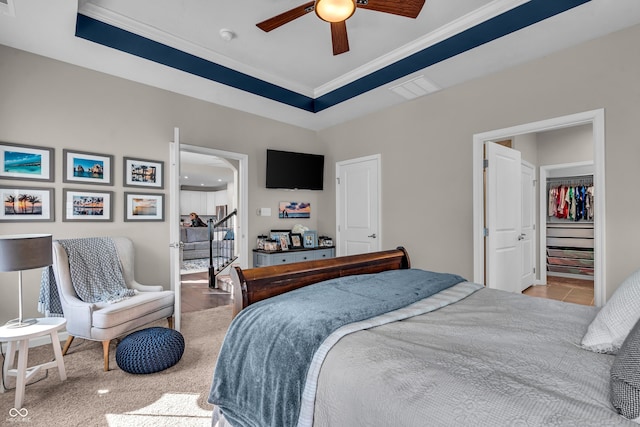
147	31
470	20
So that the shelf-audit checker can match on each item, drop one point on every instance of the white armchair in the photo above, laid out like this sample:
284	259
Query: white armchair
106	321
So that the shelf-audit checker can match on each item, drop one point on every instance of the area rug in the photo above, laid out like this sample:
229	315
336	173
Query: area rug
199	265
91	397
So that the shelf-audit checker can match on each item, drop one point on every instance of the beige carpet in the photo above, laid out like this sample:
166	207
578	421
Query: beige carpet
91	397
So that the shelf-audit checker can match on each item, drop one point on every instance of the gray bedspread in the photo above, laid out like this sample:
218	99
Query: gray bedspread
262	367
491	359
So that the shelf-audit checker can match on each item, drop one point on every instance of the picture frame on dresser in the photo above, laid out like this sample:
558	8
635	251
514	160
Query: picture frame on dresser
26	162
284	242
309	238
27	204
143	173
275	235
87	206
296	241
81	167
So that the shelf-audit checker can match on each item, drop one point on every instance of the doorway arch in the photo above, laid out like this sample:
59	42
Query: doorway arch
593	117
242	189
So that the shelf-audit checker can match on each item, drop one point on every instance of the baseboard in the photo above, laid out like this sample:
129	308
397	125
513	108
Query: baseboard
571	276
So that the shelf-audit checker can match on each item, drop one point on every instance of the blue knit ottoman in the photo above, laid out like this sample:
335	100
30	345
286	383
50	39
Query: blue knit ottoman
149	350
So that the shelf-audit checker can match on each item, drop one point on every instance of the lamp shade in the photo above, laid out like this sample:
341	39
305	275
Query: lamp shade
25	251
335	10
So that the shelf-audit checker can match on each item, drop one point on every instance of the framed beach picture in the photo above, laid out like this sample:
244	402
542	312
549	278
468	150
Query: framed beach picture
87	168
89	206
28	162
294	210
26	204
143	207
143	173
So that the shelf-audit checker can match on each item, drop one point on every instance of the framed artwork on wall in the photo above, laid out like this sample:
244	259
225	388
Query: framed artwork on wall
143	173
26	162
294	210
27	204
87	206
143	207
87	168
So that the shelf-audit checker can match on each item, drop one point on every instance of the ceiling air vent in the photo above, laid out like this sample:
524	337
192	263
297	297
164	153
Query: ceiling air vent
6	7
415	87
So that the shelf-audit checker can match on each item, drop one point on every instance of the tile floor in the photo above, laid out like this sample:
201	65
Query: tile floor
577	291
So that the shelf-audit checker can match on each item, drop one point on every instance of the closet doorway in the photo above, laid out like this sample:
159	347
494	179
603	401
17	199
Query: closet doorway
595	119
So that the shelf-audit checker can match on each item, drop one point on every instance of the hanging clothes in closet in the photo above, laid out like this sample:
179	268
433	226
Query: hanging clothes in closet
573	202
570	226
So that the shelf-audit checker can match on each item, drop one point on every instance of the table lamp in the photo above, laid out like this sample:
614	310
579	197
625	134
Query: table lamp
24	252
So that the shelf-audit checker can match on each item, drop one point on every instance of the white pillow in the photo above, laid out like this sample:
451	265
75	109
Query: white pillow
613	322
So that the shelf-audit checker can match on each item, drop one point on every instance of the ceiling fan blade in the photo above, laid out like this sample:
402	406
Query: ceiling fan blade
408	8
339	37
288	16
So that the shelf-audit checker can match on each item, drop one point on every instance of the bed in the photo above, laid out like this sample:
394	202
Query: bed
463	355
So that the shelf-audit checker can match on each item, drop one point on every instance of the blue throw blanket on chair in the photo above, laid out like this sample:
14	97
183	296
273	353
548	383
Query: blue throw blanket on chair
264	359
96	275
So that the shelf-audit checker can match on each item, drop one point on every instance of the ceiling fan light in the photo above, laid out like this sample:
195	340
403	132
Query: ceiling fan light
335	10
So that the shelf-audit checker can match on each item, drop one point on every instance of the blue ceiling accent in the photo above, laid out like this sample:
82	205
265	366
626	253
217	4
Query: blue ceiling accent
513	20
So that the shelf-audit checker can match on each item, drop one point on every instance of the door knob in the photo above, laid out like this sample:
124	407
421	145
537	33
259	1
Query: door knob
522	236
373	236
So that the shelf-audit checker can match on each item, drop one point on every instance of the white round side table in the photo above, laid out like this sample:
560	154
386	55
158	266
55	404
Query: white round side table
18	342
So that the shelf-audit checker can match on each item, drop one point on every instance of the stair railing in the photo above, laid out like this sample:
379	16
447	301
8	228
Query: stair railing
222	252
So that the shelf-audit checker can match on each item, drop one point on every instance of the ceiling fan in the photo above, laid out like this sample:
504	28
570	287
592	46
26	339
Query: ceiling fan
336	12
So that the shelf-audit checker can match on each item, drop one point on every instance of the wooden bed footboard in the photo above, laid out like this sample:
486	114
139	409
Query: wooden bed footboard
256	284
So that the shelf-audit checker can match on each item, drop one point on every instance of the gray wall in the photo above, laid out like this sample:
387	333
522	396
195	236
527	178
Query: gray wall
49	103
426	148
568	145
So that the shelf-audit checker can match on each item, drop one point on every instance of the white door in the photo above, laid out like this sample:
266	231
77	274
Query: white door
174	224
504	206
528	230
358	206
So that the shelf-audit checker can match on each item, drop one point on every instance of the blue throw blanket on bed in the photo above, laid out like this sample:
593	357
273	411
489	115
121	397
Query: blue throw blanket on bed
264	359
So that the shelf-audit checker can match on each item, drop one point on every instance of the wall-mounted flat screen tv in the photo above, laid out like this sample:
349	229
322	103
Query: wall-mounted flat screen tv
300	171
